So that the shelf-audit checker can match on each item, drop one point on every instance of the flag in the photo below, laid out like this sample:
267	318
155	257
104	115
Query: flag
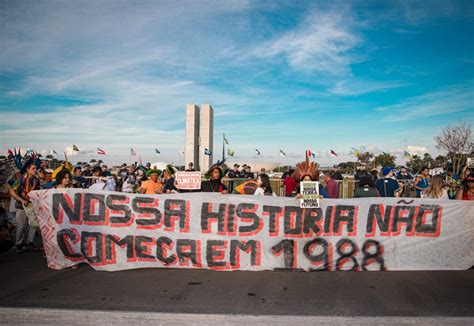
230	152
157	152
257	152
74	148
100	151
282	153
207	151
333	153
10	153
310	153
181	152
226	141
132	152
406	154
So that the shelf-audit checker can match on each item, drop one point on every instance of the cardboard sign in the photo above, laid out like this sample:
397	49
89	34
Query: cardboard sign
116	231
188	180
309	191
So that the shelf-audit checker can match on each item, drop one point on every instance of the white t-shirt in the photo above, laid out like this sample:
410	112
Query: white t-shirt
108	185
444	195
99	185
260	192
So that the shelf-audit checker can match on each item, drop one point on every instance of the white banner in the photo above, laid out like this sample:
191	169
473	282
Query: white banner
116	231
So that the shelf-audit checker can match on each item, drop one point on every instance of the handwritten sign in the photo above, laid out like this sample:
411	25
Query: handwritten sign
188	180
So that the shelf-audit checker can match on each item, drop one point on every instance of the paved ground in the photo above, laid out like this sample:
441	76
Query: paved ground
27	282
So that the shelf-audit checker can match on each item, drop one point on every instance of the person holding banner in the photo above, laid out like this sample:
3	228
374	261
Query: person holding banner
307	171
436	189
264	187
169	184
19	191
214	184
63	179
152	186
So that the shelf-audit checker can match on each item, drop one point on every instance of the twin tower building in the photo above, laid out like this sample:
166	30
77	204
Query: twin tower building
199	136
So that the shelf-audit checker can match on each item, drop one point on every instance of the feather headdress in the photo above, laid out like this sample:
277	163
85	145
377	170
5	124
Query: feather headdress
306	168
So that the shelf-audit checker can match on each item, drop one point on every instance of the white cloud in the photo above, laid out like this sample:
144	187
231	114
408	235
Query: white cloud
69	151
324	42
354	86
440	102
417	150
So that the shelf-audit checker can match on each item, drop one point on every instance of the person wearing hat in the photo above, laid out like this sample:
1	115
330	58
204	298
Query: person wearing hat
19	191
388	186
152	186
214	184
169	185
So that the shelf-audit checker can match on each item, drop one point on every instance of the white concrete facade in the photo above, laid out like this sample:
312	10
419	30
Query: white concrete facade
206	133
191	152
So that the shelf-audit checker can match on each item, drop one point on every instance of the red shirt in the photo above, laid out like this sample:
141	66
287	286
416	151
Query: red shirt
290	186
332	188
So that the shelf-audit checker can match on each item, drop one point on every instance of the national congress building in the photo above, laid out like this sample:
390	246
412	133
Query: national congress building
199	136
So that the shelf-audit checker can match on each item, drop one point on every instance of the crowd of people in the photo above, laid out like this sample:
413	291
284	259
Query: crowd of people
21	175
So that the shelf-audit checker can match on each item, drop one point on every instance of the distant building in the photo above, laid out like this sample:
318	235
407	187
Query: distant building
199	136
192	136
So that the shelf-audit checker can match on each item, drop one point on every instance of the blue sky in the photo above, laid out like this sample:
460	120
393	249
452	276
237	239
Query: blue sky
382	75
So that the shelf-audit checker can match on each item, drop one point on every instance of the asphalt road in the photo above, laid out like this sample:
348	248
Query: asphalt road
27	282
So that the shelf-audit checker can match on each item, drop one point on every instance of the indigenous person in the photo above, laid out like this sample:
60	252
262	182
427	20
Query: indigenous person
214	184
422	181
307	171
452	182
388	186
20	190
366	188
169	185
153	185
467	189
63	179
264	187
435	189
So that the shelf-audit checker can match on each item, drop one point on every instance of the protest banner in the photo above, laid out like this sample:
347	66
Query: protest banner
309	191
188	180
116	231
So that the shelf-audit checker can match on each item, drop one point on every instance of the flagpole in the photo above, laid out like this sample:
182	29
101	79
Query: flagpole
223	147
